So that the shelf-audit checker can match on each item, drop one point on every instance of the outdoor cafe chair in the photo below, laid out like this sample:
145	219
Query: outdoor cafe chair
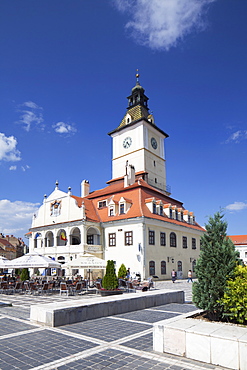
18	287
130	287
64	288
45	288
78	288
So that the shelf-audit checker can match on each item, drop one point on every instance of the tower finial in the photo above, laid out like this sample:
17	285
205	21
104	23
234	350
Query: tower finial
137	76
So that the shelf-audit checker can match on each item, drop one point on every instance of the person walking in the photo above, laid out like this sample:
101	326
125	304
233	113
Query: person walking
189	276
174	275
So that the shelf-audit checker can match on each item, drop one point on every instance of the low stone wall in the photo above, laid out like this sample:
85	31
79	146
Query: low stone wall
72	311
214	343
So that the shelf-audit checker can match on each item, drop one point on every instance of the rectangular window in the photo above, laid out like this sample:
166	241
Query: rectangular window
128	237
170	213
185	245
112	239
111	212
151	237
163	239
102	204
89	239
193	243
121	209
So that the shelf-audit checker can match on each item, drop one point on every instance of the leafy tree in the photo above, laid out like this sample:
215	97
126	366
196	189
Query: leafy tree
24	274
122	272
110	280
215	265
234	301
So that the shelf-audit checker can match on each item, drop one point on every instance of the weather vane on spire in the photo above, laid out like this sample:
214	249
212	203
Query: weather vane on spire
137	75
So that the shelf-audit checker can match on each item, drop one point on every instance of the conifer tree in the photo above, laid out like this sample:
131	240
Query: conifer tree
110	280
122	272
215	265
24	274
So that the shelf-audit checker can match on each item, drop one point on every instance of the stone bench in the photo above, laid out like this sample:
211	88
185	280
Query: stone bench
215	343
72	311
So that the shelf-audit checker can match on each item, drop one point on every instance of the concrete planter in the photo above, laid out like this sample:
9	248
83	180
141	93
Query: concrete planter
106	293
211	342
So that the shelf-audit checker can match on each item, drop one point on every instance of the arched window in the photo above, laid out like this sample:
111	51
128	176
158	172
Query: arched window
49	239
173	240
151	268
93	236
163	267
180	266
61	238
75	236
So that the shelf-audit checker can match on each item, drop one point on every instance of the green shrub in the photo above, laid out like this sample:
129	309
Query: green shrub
24	274
234	301
110	280
122	272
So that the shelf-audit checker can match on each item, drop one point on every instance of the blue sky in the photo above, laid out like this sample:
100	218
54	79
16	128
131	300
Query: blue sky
66	68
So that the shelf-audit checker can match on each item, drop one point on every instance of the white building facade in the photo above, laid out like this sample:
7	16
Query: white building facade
133	220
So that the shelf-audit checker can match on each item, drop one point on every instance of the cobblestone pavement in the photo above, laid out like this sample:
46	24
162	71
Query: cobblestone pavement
116	342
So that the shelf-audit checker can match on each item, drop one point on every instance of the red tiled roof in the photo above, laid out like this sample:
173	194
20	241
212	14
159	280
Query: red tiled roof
238	239
137	194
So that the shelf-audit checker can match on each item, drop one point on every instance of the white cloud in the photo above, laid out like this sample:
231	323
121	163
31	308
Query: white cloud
27	118
160	24
24	168
237	136
30	117
12	168
31	104
236	206
16	217
64	128
8	151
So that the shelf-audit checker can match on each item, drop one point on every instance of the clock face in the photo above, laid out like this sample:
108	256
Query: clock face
127	142
154	143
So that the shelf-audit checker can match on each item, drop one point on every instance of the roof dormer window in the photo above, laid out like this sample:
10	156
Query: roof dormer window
121	209
102	204
111	211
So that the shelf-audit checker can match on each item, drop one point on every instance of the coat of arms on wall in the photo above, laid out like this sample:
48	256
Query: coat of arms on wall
56	208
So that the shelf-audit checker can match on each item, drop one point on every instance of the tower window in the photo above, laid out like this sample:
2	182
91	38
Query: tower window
155	180
154	164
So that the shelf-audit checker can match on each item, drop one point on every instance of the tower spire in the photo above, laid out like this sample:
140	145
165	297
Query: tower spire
137	96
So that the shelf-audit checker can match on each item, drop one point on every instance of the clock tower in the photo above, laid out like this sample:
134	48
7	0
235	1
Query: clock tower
137	141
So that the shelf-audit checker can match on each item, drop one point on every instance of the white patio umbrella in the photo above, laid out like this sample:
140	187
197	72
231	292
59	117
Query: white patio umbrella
86	261
3	262
32	260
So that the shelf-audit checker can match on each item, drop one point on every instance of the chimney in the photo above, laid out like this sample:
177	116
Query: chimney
129	178
85	188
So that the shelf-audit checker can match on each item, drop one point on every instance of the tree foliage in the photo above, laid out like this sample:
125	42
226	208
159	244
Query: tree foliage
24	274
122	272
234	301
110	280
215	265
